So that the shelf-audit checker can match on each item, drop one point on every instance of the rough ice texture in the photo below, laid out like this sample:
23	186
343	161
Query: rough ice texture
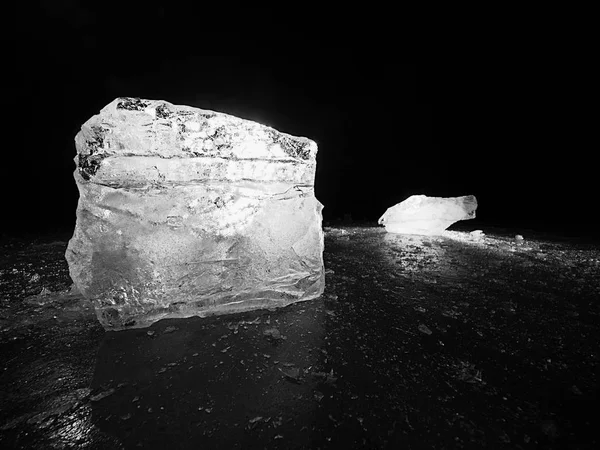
420	214
186	212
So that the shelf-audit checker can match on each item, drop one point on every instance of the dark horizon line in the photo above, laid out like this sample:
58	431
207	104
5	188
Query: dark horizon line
27	229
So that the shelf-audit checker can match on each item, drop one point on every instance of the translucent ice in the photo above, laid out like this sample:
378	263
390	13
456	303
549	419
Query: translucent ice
184	212
420	214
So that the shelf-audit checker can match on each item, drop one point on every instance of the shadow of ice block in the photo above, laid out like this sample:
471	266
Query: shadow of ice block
187	212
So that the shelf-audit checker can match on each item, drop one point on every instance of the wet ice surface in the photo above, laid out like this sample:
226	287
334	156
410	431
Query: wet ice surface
418	342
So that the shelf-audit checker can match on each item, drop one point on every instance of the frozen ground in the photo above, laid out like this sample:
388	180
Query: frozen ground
418	342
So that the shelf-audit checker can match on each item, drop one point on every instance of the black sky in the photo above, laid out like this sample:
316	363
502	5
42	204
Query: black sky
502	126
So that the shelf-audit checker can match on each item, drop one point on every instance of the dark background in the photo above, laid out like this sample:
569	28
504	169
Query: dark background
505	122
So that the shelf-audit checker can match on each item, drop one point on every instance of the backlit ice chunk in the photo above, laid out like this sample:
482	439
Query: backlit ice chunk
420	214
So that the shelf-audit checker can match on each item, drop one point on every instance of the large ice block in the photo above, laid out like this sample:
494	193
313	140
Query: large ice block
185	212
